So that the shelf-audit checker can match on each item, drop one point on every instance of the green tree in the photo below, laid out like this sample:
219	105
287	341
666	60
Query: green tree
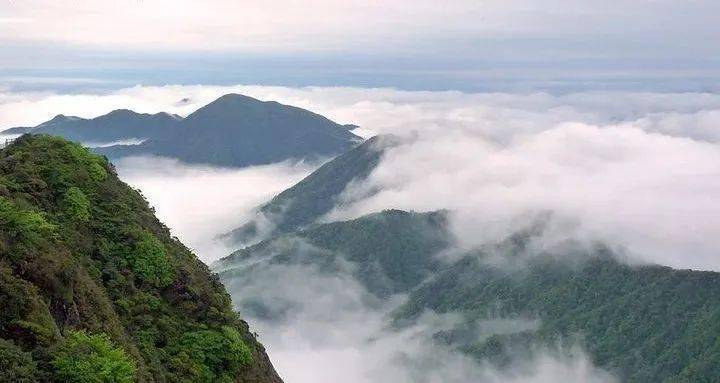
76	205
150	262
211	355
238	353
22	223
97	171
16	366
86	358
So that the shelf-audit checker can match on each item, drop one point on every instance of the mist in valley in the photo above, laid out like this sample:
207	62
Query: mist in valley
637	171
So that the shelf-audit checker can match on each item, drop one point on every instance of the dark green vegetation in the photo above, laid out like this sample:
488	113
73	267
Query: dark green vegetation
115	126
642	323
85	358
315	195
237	130
394	250
94	289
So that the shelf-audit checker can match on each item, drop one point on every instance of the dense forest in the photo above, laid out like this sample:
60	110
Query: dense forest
642	323
394	250
94	289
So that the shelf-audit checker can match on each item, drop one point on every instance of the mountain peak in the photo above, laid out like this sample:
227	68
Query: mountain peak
237	97
120	113
60	118
234	99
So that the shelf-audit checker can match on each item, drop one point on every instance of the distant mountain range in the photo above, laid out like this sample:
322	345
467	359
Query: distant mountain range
233	131
118	125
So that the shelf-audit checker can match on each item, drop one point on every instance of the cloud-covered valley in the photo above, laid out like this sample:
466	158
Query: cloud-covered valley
639	171
325	327
200	202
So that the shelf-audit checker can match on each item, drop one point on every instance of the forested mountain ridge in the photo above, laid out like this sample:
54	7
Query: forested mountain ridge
237	131
642	323
315	195
93	288
394	250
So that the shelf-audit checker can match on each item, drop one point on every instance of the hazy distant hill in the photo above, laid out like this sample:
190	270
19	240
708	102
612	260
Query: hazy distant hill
237	130
234	131
642	323
93	288
115	126
316	195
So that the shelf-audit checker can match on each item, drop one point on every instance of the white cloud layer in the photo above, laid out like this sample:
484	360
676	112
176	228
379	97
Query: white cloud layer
639	169
656	195
200	202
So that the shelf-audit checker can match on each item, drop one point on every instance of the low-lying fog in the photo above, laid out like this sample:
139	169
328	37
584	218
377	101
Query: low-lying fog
639	170
199	202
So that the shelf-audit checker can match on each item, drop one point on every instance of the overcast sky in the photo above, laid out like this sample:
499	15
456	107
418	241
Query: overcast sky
476	45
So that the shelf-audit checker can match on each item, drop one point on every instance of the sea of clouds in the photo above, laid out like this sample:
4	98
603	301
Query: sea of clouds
640	171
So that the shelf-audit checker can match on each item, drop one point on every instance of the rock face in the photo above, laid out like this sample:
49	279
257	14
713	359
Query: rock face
94	288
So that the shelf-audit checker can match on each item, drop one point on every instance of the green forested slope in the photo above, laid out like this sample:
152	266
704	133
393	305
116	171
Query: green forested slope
317	194
94	289
644	323
392	251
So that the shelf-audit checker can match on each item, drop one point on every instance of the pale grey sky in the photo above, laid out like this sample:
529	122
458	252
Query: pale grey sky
471	45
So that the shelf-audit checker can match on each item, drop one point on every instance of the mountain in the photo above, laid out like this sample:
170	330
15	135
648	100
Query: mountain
643	323
233	131
394	249
237	130
117	125
315	195
93	288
